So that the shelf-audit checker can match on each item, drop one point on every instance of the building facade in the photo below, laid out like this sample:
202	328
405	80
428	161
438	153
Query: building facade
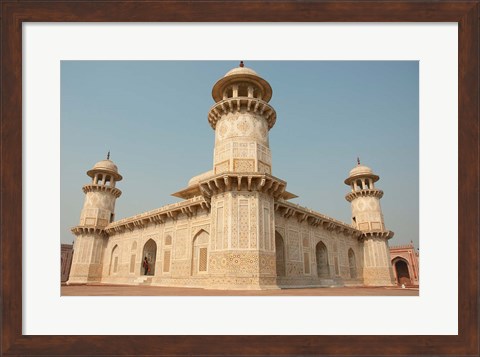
405	264
66	255
235	227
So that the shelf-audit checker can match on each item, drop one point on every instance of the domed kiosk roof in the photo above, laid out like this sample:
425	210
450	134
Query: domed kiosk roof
106	166
241	70
360	171
241	74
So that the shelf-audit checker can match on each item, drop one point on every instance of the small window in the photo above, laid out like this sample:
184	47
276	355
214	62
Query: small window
202	264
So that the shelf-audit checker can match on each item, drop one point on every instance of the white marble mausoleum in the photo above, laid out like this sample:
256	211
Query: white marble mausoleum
234	227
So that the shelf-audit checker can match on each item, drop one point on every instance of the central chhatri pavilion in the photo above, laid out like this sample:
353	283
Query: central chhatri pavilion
235	227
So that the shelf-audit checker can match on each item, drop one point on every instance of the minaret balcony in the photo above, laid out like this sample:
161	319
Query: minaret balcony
102	188
78	230
379	234
225	182
364	193
242	104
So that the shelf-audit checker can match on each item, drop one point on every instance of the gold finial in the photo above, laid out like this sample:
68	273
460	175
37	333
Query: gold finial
241	64
108	155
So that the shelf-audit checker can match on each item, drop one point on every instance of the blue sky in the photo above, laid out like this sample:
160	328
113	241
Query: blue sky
152	116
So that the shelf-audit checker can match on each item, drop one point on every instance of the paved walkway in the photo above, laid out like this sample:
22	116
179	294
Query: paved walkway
122	290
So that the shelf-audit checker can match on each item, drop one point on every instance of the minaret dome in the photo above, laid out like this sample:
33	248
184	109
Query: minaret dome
361	177
242	82
100	196
104	172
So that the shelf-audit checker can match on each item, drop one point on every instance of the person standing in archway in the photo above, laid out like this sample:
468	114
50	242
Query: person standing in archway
145	266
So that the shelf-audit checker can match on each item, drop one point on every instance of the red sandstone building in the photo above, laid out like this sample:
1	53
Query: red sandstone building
66	261
405	264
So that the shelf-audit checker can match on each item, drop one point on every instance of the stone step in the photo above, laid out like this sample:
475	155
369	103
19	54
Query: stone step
140	279
328	282
147	281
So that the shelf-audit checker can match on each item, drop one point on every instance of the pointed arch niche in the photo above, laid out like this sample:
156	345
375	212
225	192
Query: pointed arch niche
280	254
114	257
352	262
200	253
321	254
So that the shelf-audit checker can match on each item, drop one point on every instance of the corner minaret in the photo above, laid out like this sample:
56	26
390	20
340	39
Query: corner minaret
240	188
97	212
367	217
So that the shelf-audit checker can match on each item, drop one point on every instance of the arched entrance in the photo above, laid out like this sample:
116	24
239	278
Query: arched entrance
402	273
321	253
352	264
200	253
149	251
280	254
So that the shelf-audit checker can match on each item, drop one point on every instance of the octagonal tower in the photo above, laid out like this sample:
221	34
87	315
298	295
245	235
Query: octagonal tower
97	212
367	217
240	188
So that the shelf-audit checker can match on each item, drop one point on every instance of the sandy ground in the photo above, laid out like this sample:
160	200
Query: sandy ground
121	290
